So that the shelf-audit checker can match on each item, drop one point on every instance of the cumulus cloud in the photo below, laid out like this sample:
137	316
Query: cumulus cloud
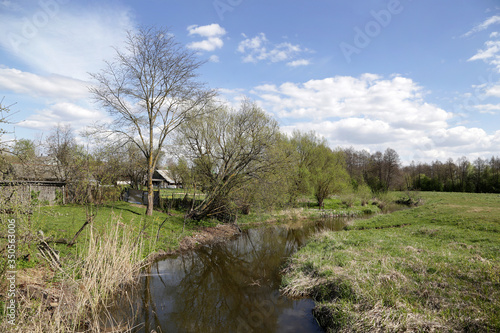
372	112
259	48
213	34
397	101
208	45
211	30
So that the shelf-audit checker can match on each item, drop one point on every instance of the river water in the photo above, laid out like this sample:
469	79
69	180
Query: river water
229	287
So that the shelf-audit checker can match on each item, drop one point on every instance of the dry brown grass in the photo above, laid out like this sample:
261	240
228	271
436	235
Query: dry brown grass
110	261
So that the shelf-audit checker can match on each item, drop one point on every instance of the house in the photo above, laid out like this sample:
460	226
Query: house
163	179
33	181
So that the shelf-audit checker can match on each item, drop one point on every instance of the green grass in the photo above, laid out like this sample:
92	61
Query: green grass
434	267
63	222
350	204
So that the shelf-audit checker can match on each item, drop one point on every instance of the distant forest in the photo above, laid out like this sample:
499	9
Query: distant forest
382	171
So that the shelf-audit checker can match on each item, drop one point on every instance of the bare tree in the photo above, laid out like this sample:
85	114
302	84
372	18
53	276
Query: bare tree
391	164
61	146
149	90
5	167
4	119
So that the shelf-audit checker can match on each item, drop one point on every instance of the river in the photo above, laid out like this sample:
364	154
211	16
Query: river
228	287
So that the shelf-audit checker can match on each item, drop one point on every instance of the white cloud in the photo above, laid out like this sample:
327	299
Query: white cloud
483	26
63	113
461	137
490	54
266	88
397	101
488	108
212	33
300	62
259	48
52	87
491	51
252	43
211	30
493	90
214	58
65	39
372	112
208	45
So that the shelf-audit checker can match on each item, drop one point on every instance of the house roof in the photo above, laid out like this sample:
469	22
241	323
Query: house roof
34	171
166	176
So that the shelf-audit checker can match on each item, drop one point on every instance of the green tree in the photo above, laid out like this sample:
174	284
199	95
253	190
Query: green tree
328	173
24	149
229	149
320	171
182	173
149	90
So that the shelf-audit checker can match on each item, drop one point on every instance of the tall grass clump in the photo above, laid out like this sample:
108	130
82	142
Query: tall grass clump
111	261
77	299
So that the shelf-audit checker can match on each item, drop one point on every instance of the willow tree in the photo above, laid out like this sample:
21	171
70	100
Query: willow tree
149	90
320	171
229	149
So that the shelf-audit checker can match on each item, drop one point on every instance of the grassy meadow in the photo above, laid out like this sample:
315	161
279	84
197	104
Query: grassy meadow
73	295
431	268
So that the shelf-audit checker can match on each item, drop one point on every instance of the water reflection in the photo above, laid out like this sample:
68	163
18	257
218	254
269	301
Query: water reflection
229	287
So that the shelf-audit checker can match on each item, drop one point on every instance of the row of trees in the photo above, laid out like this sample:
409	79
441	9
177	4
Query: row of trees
238	158
480	175
58	157
383	171
380	171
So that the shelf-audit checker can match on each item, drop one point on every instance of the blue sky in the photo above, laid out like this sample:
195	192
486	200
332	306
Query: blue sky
421	76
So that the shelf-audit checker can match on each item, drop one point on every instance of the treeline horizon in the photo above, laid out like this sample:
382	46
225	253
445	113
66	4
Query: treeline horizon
383	171
379	171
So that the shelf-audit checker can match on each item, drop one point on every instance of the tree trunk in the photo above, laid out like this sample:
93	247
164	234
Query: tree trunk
149	210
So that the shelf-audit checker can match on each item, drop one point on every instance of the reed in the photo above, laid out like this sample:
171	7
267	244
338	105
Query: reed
106	265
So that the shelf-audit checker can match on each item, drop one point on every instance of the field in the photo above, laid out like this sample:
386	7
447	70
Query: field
431	268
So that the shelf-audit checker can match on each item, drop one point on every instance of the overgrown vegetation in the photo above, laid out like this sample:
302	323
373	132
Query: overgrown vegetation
432	268
65	281
75	296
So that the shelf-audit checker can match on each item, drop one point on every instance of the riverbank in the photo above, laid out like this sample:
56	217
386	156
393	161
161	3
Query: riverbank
432	268
65	290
